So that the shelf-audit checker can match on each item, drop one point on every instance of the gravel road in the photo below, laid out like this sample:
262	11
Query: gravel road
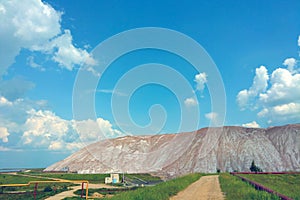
206	188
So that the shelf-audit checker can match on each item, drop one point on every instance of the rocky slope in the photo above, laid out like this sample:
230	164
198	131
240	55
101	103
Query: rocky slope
205	150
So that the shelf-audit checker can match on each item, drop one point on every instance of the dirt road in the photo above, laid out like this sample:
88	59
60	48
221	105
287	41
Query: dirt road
206	188
70	193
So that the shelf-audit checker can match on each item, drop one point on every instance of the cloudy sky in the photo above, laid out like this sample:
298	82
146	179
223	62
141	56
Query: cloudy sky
55	96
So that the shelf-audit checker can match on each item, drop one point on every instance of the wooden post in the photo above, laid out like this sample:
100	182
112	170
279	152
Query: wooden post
82	189
35	190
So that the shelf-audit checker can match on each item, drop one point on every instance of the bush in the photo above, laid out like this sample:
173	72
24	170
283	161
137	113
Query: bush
48	189
254	168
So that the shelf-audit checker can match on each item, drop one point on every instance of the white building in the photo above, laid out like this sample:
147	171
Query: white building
114	178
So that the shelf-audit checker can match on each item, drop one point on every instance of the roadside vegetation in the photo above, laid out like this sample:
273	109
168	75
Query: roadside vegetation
92	178
26	192
286	184
234	188
162	191
106	192
13	179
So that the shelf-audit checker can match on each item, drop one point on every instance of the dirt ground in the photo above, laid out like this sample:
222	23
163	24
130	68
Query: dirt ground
70	193
206	188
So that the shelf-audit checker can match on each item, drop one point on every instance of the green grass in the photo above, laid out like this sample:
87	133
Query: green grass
286	184
234	188
29	195
27	191
105	191
73	198
144	177
17	179
95	178
12	179
162	191
92	178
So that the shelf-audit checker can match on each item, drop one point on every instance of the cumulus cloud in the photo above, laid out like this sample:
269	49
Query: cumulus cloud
44	129
299	40
5	102
291	64
252	124
65	53
214	118
91	130
284	88
201	80
36	25
23	25
4	134
278	101
42	126
190	102
260	84
36	127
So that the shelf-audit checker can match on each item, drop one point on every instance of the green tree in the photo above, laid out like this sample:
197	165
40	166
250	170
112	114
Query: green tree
254	168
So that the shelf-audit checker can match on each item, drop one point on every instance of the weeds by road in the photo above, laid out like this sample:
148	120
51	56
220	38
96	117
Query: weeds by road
234	188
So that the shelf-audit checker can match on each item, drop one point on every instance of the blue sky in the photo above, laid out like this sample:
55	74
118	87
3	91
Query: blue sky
51	71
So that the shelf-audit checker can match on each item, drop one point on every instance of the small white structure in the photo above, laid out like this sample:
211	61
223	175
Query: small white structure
114	178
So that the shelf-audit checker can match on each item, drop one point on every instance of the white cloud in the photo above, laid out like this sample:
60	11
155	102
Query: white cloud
299	40
92	130
56	145
201	80
4	101
44	129
291	64
4	134
23	25
214	118
65	53
115	92
190	102
36	26
278	102
43	126
2	148
282	113
33	64
39	128
252	124
284	88
260	84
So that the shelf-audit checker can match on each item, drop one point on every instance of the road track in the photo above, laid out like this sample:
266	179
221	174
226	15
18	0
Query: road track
206	188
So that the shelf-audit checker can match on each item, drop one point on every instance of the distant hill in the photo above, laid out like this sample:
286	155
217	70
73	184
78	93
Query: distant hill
206	150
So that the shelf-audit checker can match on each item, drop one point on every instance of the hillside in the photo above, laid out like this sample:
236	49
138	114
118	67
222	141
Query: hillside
205	150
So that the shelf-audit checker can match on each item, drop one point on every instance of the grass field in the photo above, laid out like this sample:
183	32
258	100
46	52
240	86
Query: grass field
105	191
286	184
44	189
10	179
234	188
160	191
92	178
231	186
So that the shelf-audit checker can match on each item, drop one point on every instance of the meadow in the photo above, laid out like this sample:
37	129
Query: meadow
26	192
160	191
234	188
286	184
